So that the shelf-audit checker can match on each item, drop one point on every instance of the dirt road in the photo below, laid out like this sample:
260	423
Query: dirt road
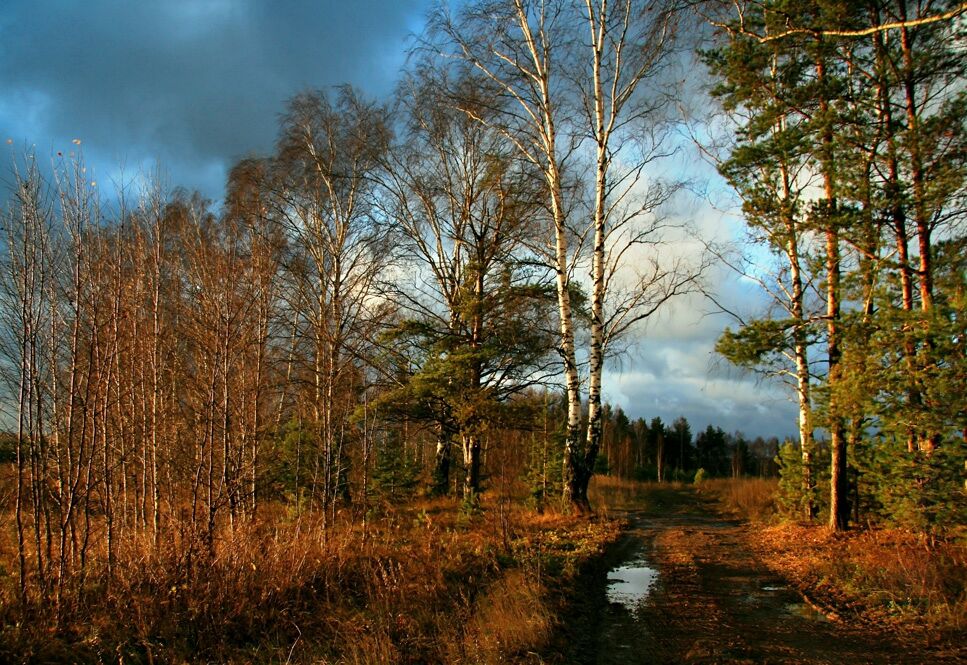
683	588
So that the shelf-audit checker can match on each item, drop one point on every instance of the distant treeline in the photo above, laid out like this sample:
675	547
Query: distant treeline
642	450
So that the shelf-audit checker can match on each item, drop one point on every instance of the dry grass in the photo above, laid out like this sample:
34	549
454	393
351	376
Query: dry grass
608	493
511	620
423	585
750	499
884	576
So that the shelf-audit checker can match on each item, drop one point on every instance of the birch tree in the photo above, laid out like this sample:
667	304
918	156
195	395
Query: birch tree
627	104
513	44
464	206
582	82
328	153
26	272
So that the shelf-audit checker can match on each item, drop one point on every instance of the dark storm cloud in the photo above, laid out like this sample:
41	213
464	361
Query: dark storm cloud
192	83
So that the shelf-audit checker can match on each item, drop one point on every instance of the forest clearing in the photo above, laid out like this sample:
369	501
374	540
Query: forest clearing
565	330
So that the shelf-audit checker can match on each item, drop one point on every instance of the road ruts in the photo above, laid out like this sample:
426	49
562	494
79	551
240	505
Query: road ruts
713	602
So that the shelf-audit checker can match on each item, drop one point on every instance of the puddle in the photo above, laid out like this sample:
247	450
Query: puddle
630	584
767	595
805	611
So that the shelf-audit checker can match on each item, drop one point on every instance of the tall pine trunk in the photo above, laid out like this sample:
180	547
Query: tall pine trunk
838	499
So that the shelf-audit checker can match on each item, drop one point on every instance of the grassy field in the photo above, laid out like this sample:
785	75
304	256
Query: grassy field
423	583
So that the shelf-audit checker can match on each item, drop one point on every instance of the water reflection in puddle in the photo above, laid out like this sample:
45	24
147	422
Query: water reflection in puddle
630	584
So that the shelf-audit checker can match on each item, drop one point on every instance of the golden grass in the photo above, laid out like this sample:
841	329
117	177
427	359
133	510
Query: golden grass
752	499
608	493
511	619
883	575
423	584
888	576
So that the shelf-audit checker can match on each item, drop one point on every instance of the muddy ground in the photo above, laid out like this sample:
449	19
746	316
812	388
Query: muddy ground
682	587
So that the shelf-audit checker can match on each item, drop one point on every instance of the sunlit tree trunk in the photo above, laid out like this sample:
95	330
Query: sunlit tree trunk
839	500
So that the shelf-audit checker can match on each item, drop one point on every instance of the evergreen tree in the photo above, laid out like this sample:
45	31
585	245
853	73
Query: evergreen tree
851	132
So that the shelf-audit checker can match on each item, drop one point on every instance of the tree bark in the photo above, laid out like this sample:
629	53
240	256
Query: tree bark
839	500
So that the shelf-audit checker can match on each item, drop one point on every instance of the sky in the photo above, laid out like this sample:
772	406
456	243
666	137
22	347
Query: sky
194	85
